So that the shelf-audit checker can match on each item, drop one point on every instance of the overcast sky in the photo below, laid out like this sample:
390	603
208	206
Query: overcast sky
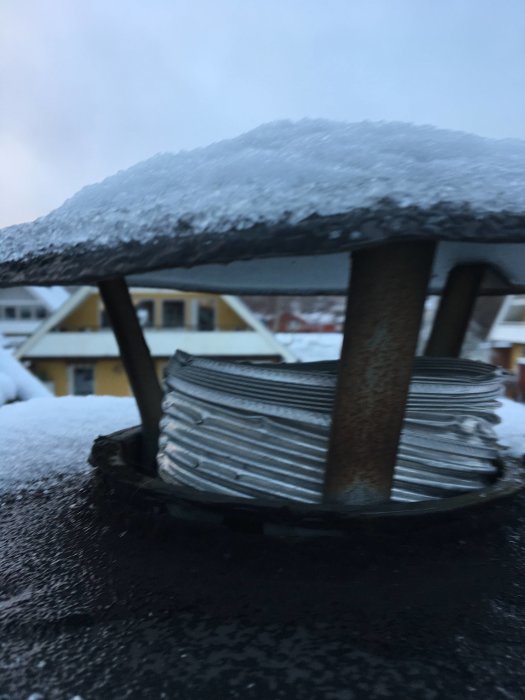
88	87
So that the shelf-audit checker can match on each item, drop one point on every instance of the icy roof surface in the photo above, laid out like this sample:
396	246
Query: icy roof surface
47	437
68	425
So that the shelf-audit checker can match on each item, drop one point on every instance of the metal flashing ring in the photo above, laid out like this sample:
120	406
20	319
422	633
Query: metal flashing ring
261	431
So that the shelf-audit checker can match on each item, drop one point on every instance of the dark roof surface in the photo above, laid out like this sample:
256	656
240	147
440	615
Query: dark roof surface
100	606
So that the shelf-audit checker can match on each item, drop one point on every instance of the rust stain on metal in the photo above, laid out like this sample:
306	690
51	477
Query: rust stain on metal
384	308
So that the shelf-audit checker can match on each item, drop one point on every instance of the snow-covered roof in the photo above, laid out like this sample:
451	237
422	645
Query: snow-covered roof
312	347
257	341
508	326
161	343
283	189
51	297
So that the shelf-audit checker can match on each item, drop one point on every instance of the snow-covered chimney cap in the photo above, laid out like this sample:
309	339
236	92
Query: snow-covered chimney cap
285	190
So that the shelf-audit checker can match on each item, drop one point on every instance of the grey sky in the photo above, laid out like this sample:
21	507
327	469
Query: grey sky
88	88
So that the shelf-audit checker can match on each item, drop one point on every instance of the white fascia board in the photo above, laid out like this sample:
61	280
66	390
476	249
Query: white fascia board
162	343
18	327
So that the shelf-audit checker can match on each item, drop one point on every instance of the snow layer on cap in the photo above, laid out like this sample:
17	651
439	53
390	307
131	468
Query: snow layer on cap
284	171
312	347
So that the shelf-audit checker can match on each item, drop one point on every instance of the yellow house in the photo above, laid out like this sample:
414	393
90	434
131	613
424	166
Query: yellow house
74	350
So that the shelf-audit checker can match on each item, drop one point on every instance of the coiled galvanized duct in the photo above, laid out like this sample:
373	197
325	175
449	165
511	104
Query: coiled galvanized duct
261	431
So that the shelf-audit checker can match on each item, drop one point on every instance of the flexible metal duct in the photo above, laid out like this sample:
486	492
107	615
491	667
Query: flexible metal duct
261	431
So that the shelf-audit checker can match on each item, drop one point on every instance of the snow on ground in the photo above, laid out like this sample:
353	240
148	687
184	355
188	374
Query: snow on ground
47	437
511	430
311	347
16	382
284	170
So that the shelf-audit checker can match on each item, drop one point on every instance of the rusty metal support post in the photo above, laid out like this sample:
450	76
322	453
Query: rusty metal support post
384	309
137	363
455	310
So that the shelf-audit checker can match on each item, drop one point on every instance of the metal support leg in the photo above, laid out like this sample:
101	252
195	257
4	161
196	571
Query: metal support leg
137	363
384	308
455	310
